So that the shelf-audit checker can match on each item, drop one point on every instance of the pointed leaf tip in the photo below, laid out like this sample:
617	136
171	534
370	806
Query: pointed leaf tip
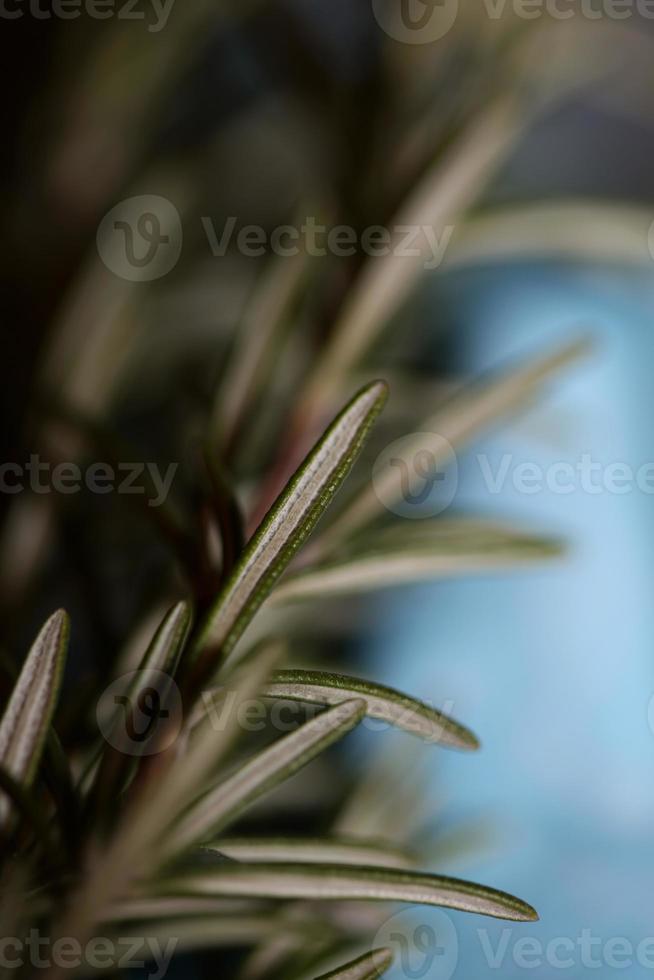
27	717
289	522
367	967
383	703
338	882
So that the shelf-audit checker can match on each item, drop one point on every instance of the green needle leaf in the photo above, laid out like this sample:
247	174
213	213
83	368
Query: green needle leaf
336	882
168	642
289	522
384	703
27	718
266	770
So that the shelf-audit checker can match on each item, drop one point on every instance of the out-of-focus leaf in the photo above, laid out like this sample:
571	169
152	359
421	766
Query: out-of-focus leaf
334	882
217	931
59	779
27	718
84	429
209	743
366	967
254	341
370	810
167	908
574	230
338	850
29	809
266	770
465	416
288	523
446	191
227	512
15	905
288	953
384	703
415	555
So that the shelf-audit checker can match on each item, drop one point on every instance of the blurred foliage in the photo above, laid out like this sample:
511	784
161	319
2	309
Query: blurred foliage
231	367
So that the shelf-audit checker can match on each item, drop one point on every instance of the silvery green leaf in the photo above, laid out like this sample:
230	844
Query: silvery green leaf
367	967
167	643
26	720
416	555
265	771
337	850
289	522
336	882
384	703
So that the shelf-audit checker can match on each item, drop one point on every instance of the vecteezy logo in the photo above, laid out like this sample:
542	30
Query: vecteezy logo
416	476
140	713
140	239
416	21
425	944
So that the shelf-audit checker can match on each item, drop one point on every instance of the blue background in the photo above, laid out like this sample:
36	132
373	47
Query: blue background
552	667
